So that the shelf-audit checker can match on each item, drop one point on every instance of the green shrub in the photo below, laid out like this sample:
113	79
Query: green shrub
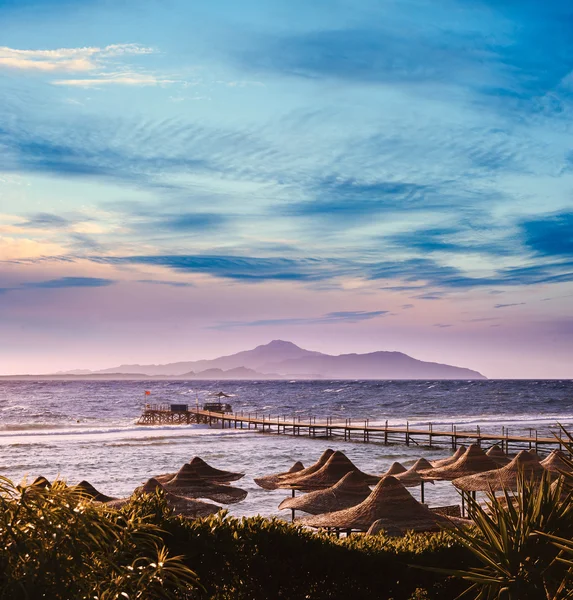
56	544
258	559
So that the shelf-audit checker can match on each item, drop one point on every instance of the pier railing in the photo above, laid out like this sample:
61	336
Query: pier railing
349	430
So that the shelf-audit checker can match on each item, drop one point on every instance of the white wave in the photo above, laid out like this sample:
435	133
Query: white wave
113	432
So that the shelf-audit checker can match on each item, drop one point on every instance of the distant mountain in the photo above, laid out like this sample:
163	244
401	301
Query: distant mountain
236	373
375	365
274	352
281	359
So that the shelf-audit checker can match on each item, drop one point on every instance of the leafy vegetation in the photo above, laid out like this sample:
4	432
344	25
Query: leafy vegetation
57	544
257	559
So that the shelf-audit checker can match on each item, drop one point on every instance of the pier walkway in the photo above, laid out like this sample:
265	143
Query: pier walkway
349	430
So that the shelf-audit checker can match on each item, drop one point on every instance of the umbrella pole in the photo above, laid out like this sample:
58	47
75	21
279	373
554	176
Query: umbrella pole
292	515
463	504
422	491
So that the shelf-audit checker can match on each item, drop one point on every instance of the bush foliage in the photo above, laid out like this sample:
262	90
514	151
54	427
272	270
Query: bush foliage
258	559
57	544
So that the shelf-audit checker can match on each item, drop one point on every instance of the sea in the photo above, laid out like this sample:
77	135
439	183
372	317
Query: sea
76	430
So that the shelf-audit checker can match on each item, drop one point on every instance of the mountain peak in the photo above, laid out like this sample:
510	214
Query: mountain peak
280	345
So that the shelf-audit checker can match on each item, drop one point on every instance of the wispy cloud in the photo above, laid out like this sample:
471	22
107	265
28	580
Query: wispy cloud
67	59
176	284
351	316
118	78
62	282
103	66
509	305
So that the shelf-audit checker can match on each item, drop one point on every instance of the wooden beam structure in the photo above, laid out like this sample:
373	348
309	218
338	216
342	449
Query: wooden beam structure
349	430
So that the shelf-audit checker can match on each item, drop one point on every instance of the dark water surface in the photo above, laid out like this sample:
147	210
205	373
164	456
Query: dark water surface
86	429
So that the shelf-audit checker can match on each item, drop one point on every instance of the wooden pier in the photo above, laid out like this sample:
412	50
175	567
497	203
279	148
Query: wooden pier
349	430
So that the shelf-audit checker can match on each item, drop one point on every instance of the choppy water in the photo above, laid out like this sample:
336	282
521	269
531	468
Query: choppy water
86	429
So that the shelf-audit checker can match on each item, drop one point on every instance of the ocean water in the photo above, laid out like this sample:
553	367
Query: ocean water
87	429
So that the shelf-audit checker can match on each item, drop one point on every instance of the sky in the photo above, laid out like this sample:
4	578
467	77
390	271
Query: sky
184	179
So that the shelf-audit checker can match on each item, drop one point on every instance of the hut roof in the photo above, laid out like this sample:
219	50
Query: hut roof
504	477
181	505
270	482
87	489
421	465
391	504
442	462
206	471
349	491
335	468
412	477
557	462
474	460
498	456
323	459
188	483
395	469
41	482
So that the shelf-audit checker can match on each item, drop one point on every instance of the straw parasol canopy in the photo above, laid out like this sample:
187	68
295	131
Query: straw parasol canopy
205	471
209	473
395	469
390	503
443	462
335	468
270	482
504	478
181	505
323	459
498	456
349	491
87	489
188	483
474	460
411	478
41	482
421	465
557	462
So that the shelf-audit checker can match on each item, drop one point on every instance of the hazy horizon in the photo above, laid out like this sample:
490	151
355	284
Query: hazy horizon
182	181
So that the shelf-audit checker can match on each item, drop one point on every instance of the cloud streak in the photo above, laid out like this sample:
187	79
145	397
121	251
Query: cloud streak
355	316
60	283
67	59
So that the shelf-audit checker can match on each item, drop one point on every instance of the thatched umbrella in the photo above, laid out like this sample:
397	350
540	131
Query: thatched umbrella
335	468
498	456
349	491
188	483
557	462
206	471
270	482
442	462
87	489
395	469
181	505
421	466
474	460
504	478
41	482
323	459
391	504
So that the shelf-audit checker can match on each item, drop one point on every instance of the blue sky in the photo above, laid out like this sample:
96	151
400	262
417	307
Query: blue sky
180	180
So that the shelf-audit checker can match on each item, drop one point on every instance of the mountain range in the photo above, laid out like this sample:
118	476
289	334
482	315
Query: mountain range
284	360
